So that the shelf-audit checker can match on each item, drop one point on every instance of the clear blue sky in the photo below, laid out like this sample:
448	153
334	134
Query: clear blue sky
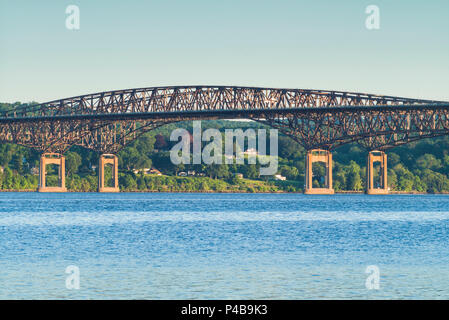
292	44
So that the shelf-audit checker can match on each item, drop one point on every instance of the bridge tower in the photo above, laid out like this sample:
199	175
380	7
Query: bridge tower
373	157
52	158
318	155
104	160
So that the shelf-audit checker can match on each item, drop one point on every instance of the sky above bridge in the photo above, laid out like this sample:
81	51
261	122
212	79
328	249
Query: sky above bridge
282	44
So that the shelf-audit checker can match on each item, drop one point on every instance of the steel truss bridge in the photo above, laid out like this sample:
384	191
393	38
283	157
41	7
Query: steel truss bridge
319	120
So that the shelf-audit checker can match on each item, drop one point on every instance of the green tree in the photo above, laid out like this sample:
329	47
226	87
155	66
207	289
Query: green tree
428	161
405	179
354	181
128	182
72	161
291	173
7	179
17	162
435	181
217	171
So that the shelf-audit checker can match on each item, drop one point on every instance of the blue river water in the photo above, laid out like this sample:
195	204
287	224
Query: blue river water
223	246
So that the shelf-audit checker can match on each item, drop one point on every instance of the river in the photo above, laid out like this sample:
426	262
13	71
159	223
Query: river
223	246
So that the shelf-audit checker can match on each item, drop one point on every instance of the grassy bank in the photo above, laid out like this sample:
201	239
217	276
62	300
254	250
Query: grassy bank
154	183
151	183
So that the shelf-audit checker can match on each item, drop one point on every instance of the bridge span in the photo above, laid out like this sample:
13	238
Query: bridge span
319	120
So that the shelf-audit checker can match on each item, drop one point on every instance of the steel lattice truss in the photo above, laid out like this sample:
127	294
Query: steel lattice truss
374	128
108	121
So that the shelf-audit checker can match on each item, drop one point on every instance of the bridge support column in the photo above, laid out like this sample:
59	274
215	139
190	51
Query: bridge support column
318	155
373	157
104	160
52	158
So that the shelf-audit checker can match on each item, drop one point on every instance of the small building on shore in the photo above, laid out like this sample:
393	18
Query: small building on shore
148	171
279	177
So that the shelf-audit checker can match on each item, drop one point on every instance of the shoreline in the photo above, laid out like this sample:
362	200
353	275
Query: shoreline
258	192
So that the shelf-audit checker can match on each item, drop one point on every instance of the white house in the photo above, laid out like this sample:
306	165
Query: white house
279	177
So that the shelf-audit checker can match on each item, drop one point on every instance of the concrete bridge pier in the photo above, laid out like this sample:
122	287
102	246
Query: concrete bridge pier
52	158
104	160
318	155
373	157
